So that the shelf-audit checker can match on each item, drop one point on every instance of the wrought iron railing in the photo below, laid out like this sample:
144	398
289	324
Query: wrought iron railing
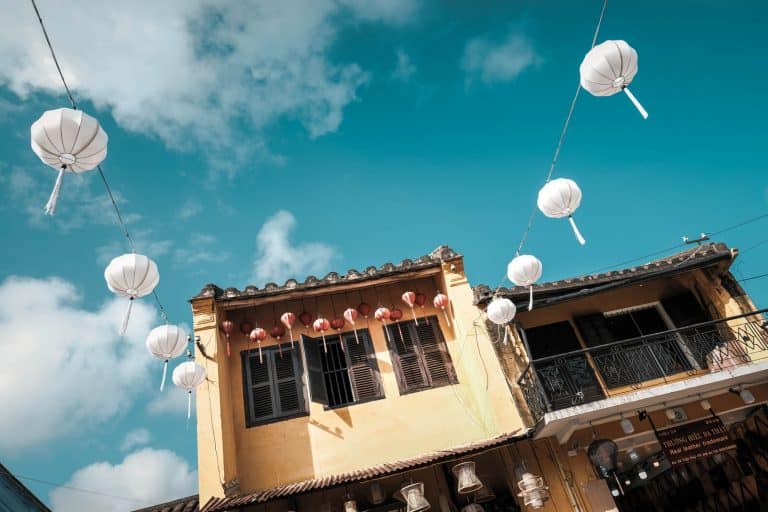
587	375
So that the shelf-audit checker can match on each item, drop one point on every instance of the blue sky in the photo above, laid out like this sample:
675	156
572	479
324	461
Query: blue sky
252	142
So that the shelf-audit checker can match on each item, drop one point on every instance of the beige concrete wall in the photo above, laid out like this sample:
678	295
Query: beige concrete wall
329	442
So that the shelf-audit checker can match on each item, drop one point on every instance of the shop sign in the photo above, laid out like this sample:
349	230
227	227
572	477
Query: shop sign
694	440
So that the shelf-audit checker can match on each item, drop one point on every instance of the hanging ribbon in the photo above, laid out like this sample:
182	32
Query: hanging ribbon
530	299
165	370
413	312
290	333
505	336
448	320
50	206
636	103
576	230
325	347
127	317
189	404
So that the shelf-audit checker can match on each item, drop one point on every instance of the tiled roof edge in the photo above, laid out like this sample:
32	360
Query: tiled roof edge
440	254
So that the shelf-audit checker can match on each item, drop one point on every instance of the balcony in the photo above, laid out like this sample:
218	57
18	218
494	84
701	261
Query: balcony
579	377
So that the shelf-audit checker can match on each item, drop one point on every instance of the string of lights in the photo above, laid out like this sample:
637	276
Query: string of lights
113	200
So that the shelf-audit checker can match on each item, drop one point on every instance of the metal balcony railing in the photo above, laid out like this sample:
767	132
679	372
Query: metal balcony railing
587	375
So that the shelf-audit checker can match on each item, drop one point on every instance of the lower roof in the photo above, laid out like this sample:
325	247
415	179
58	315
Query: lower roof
188	504
361	475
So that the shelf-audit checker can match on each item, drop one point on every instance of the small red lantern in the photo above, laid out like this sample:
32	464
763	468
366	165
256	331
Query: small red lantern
365	309
350	314
338	324
321	325
420	300
306	319
288	319
410	299
441	301
246	327
277	332
258	335
227	326
382	315
395	315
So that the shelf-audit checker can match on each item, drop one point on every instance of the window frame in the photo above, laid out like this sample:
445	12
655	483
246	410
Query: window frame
404	388
270	354
347	338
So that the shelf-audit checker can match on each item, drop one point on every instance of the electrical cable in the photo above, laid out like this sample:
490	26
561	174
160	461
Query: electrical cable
77	489
121	221
752	277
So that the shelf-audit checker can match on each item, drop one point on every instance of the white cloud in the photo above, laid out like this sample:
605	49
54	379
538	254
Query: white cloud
146	477
498	61
202	248
135	438
144	241
171	401
189	209
188	70
277	259
67	369
404	69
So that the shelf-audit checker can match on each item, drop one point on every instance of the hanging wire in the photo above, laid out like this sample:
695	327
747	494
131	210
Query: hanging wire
121	221
76	489
563	133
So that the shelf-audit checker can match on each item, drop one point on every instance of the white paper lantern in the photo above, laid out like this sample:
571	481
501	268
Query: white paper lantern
560	198
166	342
68	140
609	68
188	376
501	311
131	275
524	270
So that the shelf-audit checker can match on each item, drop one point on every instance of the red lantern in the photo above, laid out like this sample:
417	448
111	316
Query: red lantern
288	319
420	300
365	309
246	327
306	319
395	315
277	332
382	315
350	314
321	325
227	326
338	323
441	301
410	299
258	335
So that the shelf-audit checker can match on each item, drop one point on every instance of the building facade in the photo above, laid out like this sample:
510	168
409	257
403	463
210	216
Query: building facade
436	405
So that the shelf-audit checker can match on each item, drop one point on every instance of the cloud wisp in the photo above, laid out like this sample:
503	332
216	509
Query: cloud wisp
498	60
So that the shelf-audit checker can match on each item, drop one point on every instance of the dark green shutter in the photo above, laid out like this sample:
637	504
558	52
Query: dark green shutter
437	361
258	387
316	378
362	367
272	388
409	369
420	355
288	382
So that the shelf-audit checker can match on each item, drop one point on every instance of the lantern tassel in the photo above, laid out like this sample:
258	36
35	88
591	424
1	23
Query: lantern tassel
505	336
357	340
124	327
189	404
386	330
165	370
636	103
400	329
50	206
290	332
261	359
448	320
576	231
228	351
530	299
341	342
280	348
325	347
413	312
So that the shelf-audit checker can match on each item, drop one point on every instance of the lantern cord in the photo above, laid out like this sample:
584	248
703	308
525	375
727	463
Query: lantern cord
563	132
120	219
50	206
53	55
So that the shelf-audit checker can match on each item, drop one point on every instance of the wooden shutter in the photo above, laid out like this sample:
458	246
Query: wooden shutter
362	367
289	396
409	369
257	388
437	361
316	378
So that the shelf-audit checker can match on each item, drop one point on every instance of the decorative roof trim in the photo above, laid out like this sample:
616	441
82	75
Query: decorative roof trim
374	472
433	259
188	504
697	257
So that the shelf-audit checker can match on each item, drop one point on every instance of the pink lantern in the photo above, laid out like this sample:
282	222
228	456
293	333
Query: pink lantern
277	332
226	327
382	315
321	325
258	335
350	314
288	319
441	301
410	299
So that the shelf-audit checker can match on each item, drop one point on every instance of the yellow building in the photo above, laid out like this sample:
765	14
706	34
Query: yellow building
365	416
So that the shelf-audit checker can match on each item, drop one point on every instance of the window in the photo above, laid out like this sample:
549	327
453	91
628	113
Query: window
272	388
419	355
346	373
